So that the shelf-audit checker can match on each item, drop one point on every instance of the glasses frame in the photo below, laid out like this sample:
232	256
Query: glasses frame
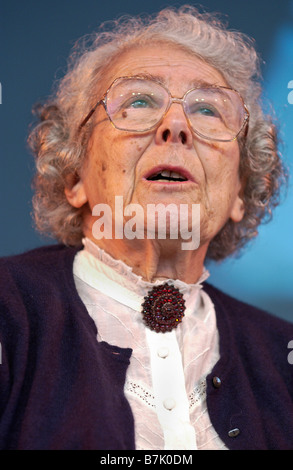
172	99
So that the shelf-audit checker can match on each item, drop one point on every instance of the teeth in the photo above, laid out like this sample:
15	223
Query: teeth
175	175
166	173
170	174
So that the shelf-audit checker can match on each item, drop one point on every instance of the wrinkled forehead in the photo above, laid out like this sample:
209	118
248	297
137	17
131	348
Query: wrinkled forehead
170	65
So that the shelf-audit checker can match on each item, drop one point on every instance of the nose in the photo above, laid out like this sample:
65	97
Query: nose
174	128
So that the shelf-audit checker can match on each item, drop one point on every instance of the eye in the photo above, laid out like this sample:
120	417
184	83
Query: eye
204	109
207	111
140	101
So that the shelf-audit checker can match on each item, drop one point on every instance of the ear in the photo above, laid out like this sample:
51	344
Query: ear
238	209
76	194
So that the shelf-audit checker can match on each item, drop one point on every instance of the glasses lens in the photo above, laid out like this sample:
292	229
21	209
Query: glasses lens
216	113
135	104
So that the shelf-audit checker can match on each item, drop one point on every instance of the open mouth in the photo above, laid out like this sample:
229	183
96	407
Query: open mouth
166	175
169	174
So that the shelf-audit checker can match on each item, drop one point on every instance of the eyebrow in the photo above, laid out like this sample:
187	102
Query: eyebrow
198	82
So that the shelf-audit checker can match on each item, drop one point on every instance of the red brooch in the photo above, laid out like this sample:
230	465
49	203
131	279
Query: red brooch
163	308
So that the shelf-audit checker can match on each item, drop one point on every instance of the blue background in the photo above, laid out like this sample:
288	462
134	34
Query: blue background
36	38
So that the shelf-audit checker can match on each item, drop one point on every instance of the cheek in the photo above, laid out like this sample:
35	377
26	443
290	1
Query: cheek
113	159
221	168
109	170
222	163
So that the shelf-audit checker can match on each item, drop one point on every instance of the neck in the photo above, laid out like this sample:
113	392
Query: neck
156	259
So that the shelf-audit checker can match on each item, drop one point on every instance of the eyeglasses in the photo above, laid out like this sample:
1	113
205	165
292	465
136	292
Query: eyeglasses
137	104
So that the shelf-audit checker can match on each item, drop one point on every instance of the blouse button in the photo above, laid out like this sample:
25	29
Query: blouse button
217	382
234	432
169	403
163	352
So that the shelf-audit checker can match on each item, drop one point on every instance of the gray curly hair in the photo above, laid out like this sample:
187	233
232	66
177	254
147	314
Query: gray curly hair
60	150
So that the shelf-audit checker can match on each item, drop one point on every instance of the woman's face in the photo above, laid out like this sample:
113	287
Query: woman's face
119	162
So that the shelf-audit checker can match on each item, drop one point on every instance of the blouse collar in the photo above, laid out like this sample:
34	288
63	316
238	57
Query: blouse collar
117	280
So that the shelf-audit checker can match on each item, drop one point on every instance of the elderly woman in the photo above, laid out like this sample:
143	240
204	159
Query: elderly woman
112	339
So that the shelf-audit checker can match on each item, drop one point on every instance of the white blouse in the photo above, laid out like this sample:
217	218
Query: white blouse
166	379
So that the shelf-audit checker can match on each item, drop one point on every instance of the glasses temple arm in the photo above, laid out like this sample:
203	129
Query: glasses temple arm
87	118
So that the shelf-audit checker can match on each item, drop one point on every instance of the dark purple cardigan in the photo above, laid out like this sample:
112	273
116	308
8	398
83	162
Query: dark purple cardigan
61	389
